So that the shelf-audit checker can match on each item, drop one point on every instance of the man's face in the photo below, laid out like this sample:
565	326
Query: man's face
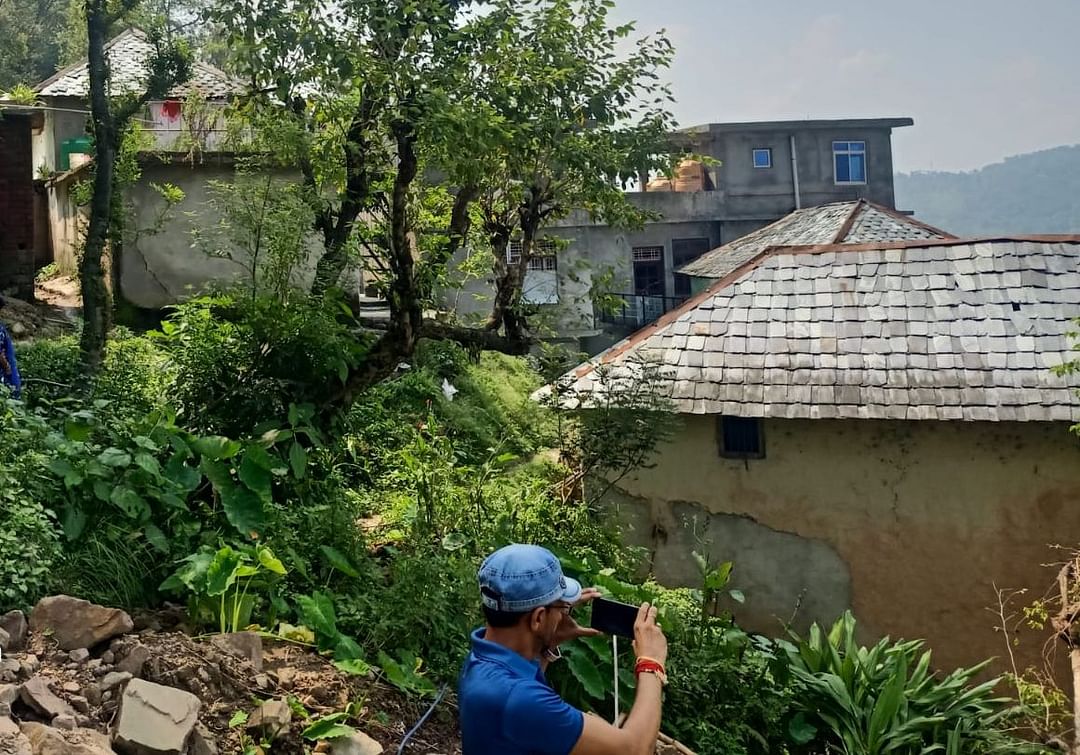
546	620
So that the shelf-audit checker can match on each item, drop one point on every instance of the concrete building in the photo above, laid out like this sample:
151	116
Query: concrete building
871	426
760	172
183	146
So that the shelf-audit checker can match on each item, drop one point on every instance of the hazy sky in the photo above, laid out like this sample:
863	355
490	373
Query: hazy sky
983	79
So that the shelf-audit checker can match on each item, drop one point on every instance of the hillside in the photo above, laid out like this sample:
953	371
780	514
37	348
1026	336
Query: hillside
1033	193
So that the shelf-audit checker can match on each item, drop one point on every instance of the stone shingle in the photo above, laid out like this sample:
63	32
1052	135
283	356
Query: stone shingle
881	355
129	54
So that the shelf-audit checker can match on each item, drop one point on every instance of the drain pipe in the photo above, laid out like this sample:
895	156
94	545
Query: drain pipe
795	172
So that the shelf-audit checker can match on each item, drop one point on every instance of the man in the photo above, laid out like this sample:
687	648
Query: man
506	705
9	370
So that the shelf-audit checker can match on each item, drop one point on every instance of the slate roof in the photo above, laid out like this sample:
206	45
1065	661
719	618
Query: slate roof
128	54
839	223
938	330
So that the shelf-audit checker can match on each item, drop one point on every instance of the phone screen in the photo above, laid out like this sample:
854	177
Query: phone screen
612	617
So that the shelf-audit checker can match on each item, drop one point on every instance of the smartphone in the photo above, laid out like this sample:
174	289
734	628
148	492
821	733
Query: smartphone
612	617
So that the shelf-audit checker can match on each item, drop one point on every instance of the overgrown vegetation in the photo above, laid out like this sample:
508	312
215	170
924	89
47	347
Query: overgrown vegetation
195	467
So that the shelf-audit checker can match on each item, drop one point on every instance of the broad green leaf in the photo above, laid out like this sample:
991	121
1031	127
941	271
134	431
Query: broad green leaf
222	572
156	538
243	509
347	649
253	473
184	475
216	447
148	463
114	457
587	674
328	727
298	460
800	730
77	430
354	667
269	561
131	503
239	718
737	596
339	561
192	572
73	520
317	611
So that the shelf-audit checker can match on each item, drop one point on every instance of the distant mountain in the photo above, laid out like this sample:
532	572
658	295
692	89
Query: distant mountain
1034	193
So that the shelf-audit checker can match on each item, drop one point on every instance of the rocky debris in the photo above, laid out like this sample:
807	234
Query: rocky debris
5	639
64	721
9	669
272	718
15	744
46	740
76	623
14	623
286	676
155	720
357	743
114	679
7	726
246	645
202	742
96	695
37	695
133	662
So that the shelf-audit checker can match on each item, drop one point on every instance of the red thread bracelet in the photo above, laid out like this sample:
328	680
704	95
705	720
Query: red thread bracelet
649	666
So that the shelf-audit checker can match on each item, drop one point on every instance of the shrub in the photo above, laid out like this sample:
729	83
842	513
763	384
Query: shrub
29	543
242	361
886	699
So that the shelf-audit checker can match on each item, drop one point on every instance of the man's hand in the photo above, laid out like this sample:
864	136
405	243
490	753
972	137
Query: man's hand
649	639
569	629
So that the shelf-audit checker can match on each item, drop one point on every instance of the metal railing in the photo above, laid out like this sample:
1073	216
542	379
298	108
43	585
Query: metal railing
636	310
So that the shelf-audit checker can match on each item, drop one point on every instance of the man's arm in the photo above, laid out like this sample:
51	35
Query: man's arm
638	734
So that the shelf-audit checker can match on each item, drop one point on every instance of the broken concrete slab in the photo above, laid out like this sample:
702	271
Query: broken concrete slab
134	661
246	645
46	740
155	720
76	623
14	623
37	694
272	717
357	743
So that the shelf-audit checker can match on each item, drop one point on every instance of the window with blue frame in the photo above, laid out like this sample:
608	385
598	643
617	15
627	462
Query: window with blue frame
849	162
763	157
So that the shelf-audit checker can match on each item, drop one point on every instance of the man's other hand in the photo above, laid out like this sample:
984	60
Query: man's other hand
649	639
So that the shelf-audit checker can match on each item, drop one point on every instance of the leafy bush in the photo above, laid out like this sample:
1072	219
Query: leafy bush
29	543
886	699
242	361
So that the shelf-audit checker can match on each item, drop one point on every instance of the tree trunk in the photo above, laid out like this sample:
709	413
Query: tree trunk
95	294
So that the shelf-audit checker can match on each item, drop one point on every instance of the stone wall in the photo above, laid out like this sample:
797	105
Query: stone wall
910	524
16	207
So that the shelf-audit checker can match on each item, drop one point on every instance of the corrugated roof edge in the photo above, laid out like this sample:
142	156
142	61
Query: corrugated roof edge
610	355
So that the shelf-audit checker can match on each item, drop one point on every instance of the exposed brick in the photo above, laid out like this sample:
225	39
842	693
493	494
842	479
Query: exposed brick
16	206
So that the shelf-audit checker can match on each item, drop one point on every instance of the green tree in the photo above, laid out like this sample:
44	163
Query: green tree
111	118
29	44
562	121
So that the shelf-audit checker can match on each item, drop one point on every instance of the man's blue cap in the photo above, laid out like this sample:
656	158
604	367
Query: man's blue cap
519	578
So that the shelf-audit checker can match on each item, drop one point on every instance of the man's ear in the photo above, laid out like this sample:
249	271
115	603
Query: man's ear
536	618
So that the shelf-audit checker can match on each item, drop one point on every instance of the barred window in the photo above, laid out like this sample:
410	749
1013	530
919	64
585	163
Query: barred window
544	257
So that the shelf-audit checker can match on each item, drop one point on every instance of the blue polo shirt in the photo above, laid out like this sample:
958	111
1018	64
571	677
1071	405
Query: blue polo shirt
507	706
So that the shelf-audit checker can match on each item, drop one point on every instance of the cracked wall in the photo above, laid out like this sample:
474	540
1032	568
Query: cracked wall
163	267
911	524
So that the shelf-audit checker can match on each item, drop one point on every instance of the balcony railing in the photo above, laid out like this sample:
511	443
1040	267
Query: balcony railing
637	310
